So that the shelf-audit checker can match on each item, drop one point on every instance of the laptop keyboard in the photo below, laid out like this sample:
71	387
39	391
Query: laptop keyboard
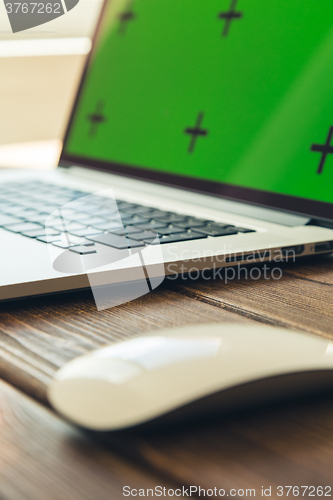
24	208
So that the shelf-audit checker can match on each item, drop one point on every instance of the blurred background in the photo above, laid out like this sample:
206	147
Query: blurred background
39	72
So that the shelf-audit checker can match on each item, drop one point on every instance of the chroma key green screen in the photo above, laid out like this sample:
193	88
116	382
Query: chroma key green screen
237	92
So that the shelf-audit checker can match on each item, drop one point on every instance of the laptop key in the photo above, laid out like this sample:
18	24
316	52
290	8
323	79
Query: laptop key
138	210
227	231
115	241
15	200
129	220
191	222
39	218
103	203
244	230
122	205
139	228
111	226
156	212
105	212
170	218
33	233
144	235
8	219
83	250
73	193
68	241
173	238
71	215
87	231
217	225
48	238
92	221
23	226
127	230
153	224
171	229
11	208
91	210
26	214
150	227
68	226
42	208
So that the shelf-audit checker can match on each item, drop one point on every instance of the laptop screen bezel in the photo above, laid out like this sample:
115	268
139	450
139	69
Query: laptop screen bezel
286	203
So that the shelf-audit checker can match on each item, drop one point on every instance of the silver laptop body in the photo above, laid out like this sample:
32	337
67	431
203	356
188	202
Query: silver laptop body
271	226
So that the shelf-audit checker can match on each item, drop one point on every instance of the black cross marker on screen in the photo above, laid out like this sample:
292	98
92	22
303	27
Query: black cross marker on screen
230	16
125	17
96	118
324	149
195	132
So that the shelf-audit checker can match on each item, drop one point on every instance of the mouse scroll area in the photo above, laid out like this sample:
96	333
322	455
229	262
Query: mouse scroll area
151	377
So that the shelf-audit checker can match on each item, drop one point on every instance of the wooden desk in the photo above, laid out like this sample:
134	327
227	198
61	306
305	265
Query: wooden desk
44	458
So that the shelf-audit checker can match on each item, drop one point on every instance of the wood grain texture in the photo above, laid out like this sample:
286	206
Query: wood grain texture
37	336
302	299
43	458
274	446
290	445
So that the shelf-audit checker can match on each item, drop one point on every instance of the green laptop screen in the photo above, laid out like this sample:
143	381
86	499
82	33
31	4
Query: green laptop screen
236	92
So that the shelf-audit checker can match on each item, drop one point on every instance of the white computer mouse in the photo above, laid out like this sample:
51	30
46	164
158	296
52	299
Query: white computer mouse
188	371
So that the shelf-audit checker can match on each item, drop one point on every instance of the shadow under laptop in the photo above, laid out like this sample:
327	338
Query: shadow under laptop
254	272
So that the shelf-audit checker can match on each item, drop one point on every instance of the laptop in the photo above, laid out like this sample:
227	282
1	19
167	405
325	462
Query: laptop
209	122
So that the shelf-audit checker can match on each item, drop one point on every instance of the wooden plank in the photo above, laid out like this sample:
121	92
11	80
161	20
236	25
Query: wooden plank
316	269
302	299
291	445
38	336
43	458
